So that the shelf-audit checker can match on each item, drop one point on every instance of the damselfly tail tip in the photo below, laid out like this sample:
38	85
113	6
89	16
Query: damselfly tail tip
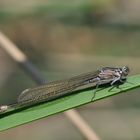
3	108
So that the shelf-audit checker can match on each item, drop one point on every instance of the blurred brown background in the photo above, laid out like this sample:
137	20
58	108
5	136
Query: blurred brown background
65	38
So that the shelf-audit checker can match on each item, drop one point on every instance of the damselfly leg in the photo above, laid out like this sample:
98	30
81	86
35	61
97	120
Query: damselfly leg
96	88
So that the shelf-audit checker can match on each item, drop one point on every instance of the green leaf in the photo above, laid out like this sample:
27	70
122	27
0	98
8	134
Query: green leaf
49	108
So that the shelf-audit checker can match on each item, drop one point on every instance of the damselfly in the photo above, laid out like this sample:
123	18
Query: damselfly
53	90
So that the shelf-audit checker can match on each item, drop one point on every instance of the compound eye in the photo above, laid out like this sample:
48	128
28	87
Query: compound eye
125	70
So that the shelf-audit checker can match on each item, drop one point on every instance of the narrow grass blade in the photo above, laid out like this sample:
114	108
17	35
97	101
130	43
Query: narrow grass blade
46	109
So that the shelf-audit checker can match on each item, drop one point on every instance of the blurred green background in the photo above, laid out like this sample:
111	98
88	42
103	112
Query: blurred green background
65	38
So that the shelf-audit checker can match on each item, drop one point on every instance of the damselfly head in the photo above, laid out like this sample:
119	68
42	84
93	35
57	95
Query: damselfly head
125	71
